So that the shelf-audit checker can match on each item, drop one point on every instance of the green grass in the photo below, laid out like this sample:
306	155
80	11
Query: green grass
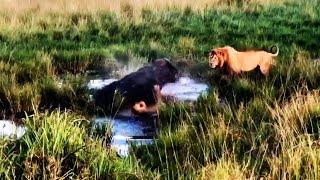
59	145
245	127
74	43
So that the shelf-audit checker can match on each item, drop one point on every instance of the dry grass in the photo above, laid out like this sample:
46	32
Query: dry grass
291	119
18	6
14	13
225	168
300	161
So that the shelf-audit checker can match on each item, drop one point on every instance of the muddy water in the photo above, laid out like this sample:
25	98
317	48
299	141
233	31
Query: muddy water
129	129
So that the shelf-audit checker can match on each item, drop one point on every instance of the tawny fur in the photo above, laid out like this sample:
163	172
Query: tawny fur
238	62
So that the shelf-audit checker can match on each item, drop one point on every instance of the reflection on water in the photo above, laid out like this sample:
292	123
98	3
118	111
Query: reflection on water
127	130
10	129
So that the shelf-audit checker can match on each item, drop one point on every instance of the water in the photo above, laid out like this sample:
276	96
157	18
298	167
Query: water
185	89
10	129
128	129
99	83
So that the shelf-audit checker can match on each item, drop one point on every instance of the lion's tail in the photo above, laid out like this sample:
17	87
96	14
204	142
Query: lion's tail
275	54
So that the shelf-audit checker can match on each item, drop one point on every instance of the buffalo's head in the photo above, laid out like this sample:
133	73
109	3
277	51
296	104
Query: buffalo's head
165	72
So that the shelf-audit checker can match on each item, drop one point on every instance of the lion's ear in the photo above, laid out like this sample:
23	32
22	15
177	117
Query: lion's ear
214	52
223	52
219	52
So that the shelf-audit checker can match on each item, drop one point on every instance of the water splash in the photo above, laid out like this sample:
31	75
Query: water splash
185	89
10	129
100	83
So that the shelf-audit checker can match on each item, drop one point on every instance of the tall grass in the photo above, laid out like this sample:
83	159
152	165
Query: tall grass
65	6
57	145
25	86
246	141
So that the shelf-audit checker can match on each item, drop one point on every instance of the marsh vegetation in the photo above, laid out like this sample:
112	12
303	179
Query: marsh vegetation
265	127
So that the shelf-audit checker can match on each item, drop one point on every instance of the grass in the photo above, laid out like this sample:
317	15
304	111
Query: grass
64	6
27	86
57	145
245	127
65	42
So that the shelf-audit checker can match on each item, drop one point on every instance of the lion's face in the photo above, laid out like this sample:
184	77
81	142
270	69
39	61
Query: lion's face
213	59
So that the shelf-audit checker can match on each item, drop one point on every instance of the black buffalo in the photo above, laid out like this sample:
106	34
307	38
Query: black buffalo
139	90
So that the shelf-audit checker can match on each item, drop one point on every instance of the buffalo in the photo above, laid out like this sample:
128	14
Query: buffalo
139	91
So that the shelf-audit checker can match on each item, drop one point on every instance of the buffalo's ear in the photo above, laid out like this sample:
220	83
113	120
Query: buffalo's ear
157	92
160	62
140	107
